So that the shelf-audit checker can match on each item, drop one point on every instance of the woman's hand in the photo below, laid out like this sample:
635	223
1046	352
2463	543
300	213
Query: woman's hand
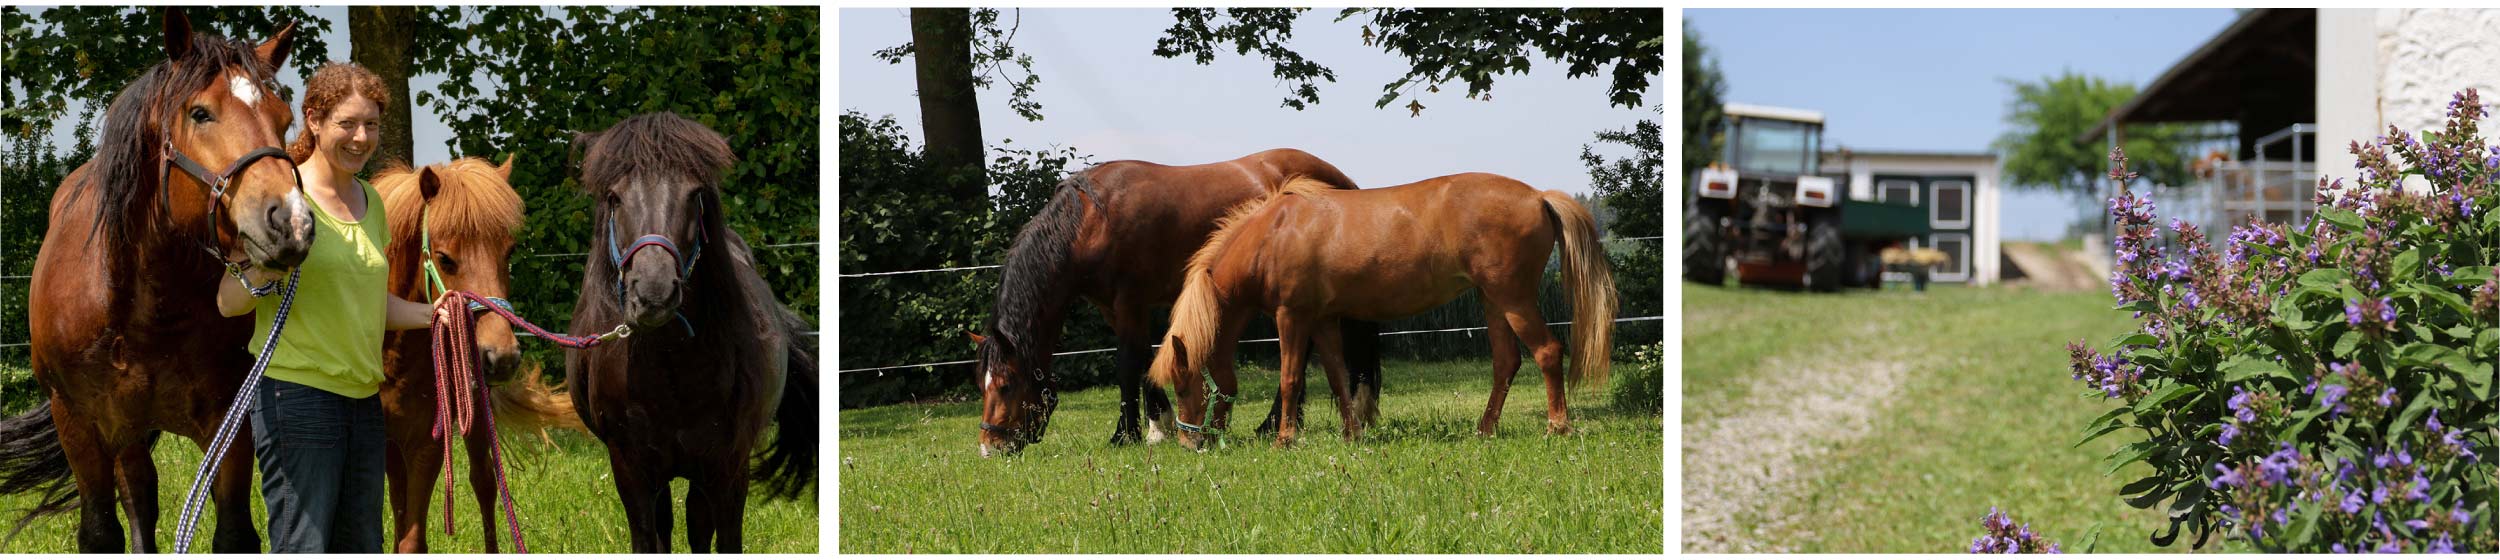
441	315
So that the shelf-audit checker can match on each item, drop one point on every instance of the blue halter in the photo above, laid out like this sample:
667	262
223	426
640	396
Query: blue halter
685	261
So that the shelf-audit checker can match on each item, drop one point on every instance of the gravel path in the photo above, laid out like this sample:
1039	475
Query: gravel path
1741	471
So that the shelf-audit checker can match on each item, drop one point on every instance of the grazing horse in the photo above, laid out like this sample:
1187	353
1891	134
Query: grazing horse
1314	257
713	358
127	341
1117	235
461	218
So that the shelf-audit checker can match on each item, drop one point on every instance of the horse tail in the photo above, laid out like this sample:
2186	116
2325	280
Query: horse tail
1592	284
528	403
788	466
31	460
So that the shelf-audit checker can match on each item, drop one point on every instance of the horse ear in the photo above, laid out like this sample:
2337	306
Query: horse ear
428	184
506	168
1180	352
976	337
273	52
177	34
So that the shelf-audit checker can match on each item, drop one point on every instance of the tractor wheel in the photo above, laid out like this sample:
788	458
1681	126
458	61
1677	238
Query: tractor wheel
1705	253
1825	256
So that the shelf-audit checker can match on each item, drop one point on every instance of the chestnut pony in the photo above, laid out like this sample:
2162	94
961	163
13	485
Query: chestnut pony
1315	257
127	341
462	216
1117	235
714	358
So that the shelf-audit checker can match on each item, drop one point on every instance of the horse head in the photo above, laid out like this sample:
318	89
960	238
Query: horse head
655	178
465	219
222	122
1016	399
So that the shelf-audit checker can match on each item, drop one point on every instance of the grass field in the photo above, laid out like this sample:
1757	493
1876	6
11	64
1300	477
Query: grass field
1913	414
567	504
912	480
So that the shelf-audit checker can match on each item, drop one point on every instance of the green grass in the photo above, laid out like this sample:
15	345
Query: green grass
567	503
1987	415
913	481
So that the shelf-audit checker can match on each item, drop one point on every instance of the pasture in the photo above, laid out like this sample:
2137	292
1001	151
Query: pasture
567	501
1421	481
1896	421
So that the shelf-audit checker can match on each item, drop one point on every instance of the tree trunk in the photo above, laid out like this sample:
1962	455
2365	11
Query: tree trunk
382	37
950	117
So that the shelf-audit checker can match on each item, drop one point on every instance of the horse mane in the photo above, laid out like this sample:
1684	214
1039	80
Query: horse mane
1198	315
652	144
126	168
1037	262
473	203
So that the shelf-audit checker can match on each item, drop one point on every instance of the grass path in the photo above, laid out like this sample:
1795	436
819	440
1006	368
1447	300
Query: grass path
567	503
1420	482
1966	404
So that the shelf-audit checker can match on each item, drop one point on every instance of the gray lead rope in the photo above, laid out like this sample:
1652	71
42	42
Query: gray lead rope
185	526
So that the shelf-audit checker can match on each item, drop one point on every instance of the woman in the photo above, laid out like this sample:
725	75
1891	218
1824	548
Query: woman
316	425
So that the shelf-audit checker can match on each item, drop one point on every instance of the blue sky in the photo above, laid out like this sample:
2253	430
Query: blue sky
1104	93
1933	79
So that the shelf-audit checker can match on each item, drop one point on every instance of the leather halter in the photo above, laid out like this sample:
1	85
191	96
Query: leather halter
171	158
685	261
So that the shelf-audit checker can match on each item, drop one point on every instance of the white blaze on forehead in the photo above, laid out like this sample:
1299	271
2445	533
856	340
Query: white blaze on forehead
243	89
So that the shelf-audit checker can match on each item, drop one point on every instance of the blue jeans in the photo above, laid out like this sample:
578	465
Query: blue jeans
321	468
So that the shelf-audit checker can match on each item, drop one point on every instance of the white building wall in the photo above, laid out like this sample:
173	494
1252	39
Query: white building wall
1985	200
2398	66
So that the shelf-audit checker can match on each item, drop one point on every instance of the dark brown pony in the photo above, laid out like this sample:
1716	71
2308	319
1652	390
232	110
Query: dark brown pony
713	359
127	342
1313	257
466	213
1117	235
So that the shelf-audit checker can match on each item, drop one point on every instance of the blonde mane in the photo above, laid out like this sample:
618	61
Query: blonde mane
475	202
1198	314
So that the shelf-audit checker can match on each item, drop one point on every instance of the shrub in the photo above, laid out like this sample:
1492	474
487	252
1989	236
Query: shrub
1640	385
2004	537
2321	387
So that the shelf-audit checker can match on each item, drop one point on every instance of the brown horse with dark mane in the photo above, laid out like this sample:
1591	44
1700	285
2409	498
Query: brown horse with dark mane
1315	257
1117	235
714	359
127	342
463	216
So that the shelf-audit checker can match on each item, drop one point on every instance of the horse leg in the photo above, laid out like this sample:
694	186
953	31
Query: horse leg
137	480
423	467
1129	365
232	493
1220	365
99	525
646	508
1505	365
480	442
1361	343
728	509
406	536
1328	345
1293	339
1530	326
699	521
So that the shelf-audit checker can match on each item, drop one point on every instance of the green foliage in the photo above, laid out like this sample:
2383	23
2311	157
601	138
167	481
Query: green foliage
891	222
992	50
2326	386
86	54
1443	45
1641	381
1634	189
1705	90
749	73
2041	152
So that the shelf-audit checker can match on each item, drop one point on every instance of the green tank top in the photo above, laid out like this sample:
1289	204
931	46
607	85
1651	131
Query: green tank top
333	338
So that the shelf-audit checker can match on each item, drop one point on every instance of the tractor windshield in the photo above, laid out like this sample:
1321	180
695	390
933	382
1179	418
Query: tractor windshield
1775	146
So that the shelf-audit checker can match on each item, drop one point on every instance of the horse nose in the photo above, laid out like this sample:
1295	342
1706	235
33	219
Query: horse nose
291	229
650	297
501	362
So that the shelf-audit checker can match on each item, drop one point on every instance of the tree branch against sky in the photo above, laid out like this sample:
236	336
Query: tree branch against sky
2046	116
1705	93
1469	46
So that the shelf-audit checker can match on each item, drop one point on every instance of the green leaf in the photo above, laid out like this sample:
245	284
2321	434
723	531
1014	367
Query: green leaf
2344	345
2326	279
2424	354
2147	483
2243	368
2342	218
2134	339
2131	453
2163	396
2408	263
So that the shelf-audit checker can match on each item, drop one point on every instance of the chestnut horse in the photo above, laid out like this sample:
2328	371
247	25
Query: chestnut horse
1314	257
462	216
127	341
714	358
1117	235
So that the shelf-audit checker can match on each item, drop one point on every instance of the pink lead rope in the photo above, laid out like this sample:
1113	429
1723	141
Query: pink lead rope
456	388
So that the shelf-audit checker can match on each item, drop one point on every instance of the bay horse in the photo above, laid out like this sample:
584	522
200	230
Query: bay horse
1117	235
714	357
461	217
1315	257
127	342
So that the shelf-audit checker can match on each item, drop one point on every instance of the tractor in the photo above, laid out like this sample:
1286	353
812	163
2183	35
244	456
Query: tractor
1766	214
